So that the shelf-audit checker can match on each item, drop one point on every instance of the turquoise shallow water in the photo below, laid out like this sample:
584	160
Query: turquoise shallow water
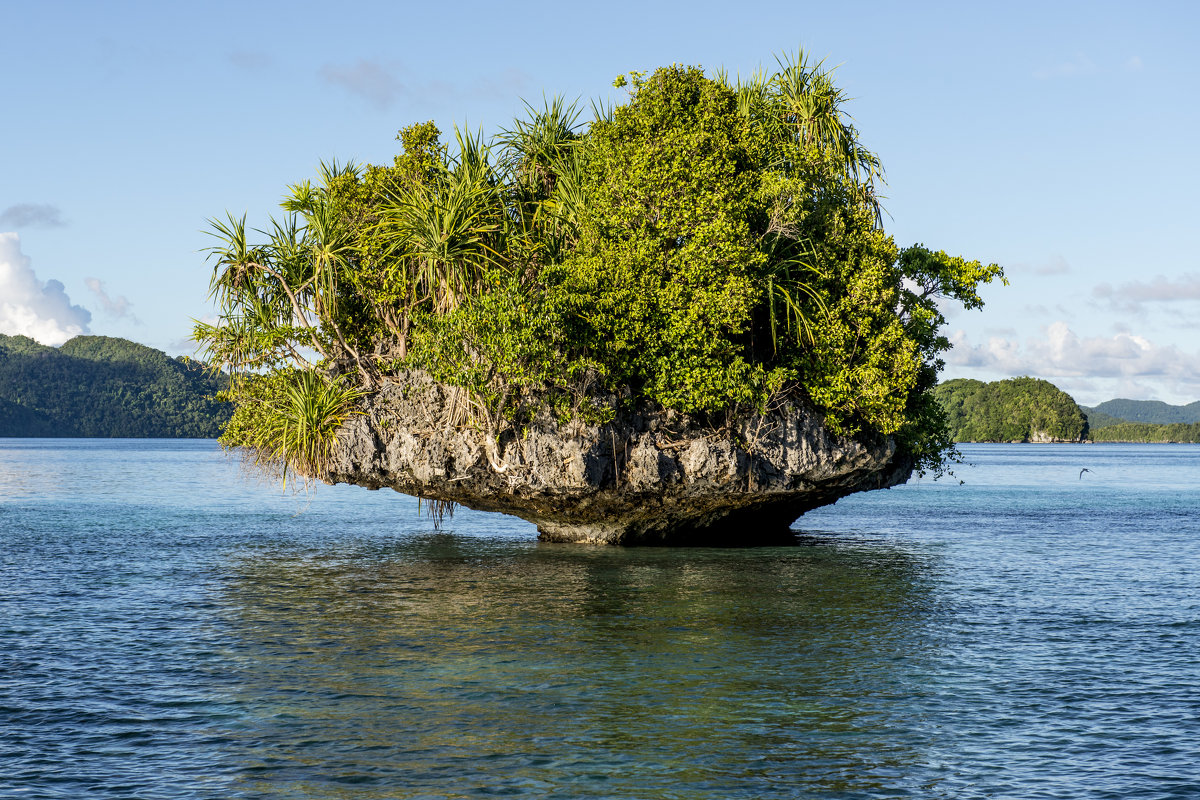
171	629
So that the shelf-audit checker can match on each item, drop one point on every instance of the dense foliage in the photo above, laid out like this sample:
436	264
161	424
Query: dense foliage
1144	421
1098	419
712	246
1147	432
1012	410
106	387
1112	412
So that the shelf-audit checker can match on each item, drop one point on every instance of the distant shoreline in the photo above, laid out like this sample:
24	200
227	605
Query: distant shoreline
1086	441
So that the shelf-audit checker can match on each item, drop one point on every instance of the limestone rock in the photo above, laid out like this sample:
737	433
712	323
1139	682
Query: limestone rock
646	478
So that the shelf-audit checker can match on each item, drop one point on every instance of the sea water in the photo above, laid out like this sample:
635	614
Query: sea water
171	627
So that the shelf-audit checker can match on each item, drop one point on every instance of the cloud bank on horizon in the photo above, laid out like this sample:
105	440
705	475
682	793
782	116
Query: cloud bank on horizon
1122	365
31	307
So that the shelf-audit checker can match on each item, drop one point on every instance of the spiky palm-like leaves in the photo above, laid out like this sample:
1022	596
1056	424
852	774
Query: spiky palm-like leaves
443	234
277	299
812	112
290	422
800	111
542	167
534	148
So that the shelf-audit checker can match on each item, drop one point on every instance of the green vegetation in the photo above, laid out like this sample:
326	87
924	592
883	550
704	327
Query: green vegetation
1025	409
1144	421
106	387
1147	432
711	246
1112	412
291	419
1013	410
1098	419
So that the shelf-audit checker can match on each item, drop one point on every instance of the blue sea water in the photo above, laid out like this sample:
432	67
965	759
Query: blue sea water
171	628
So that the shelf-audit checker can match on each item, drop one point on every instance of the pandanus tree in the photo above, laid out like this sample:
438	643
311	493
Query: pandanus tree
442	234
710	246
541	159
278	315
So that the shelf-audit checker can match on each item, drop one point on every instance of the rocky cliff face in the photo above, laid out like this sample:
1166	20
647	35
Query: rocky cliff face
1042	437
645	478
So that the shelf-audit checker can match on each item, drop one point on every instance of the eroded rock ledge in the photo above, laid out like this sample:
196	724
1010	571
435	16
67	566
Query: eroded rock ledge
645	478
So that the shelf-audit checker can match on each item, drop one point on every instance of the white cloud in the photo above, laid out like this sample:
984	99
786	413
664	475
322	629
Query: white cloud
1124	361
29	307
1059	311
1133	64
116	307
1131	298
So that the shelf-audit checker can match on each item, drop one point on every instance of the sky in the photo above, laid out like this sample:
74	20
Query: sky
1056	139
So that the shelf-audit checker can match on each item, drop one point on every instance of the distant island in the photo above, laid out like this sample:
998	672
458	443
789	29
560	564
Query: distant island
100	386
1034	410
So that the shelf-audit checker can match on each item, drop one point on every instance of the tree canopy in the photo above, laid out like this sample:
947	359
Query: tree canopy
106	387
1012	410
1149	411
711	246
1147	432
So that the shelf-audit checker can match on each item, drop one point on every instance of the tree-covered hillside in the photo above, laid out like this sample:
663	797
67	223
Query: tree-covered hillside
1012	410
105	387
1147	432
1098	419
1155	412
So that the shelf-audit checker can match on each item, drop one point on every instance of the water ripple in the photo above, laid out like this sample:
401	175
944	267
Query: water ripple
169	631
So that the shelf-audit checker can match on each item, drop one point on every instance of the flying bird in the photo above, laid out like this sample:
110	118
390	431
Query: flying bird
1085	469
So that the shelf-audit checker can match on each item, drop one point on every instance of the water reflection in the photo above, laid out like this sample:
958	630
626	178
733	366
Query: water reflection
440	665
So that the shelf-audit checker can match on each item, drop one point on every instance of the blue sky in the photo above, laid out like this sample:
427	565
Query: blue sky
1057	140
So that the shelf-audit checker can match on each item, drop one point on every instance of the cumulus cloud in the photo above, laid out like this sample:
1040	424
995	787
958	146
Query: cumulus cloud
115	307
31	307
31	215
1121	359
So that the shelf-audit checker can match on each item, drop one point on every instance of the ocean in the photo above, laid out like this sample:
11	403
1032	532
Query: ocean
173	627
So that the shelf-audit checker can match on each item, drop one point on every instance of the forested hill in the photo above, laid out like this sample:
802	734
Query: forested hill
1144	421
104	387
1031	410
1012	410
1112	412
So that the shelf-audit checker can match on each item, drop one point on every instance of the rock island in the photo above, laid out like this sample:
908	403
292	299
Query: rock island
678	320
